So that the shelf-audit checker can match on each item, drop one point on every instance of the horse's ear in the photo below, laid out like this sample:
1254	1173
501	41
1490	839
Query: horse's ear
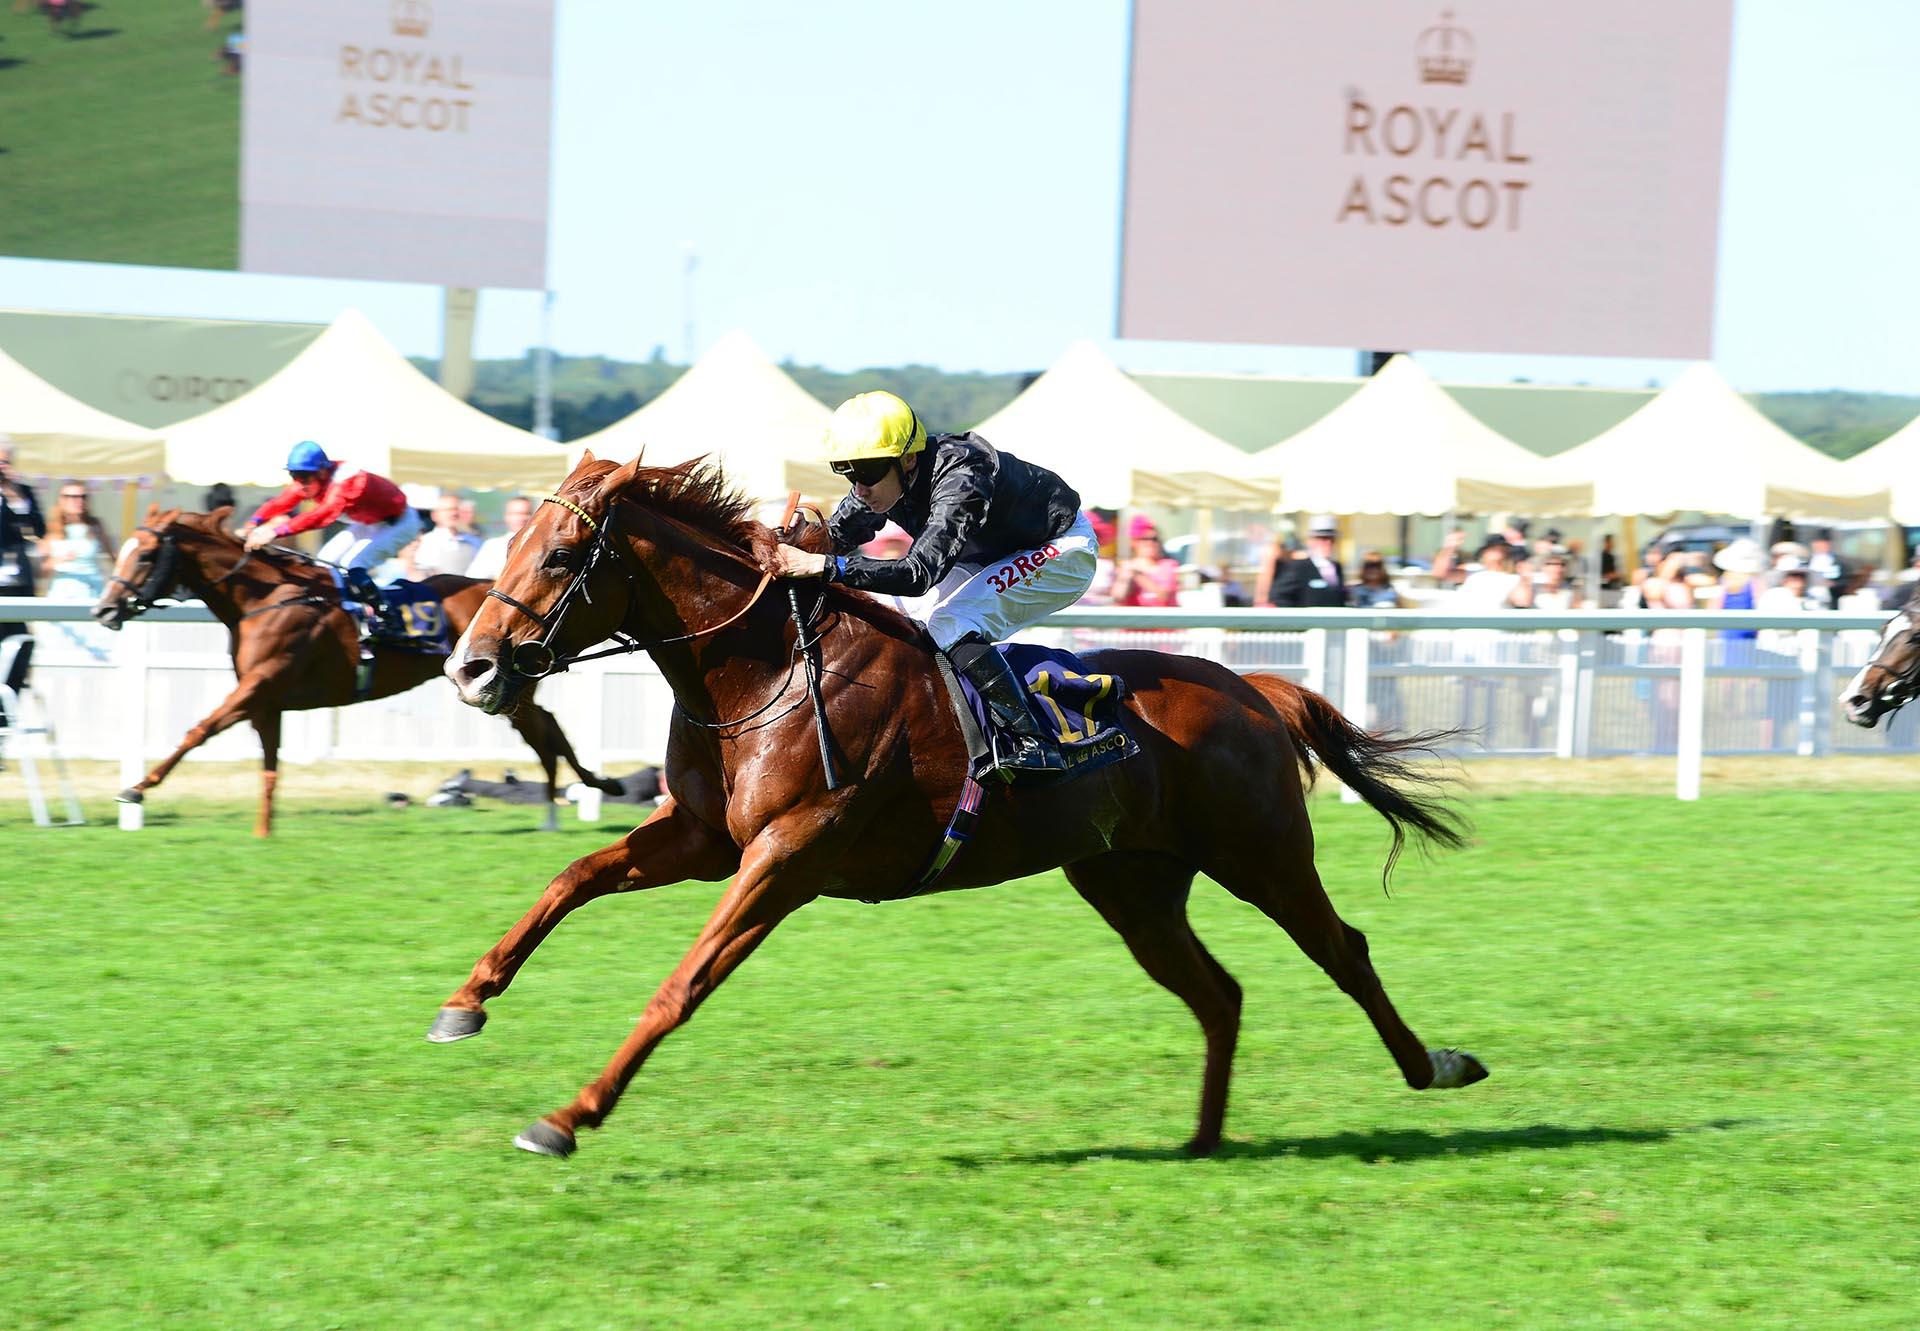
618	480
586	456
153	514
217	519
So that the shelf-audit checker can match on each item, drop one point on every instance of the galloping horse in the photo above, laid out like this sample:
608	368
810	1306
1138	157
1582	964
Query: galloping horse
1889	679
668	558
294	647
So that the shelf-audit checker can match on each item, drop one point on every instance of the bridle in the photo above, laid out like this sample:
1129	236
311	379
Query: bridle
158	583
536	658
1899	689
160	577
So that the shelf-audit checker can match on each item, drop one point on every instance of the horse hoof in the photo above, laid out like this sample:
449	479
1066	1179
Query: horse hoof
131	795
1454	1068
459	1023
542	1138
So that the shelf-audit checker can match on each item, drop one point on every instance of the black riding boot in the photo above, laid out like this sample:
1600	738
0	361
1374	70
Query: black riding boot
381	619
1019	744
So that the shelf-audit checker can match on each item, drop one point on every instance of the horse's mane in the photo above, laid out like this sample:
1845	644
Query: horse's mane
697	494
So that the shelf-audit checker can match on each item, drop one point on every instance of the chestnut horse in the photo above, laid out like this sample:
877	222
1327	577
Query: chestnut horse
669	559
294	647
1889	679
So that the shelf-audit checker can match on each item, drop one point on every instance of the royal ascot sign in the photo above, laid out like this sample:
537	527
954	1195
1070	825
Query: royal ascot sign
1501	175
398	139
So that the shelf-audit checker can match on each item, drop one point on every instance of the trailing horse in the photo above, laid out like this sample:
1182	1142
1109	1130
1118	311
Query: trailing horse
294	646
667	559
1891	676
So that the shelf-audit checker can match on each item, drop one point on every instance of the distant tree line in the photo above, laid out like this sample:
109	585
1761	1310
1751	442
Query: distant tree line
592	392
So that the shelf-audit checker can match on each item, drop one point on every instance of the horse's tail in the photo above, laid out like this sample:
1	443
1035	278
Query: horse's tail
1375	767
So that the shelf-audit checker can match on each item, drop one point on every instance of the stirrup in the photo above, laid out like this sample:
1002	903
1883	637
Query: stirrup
1015	752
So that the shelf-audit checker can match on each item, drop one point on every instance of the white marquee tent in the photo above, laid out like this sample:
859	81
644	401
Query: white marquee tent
56	435
1402	445
738	407
1893	463
1701	447
351	392
1117	444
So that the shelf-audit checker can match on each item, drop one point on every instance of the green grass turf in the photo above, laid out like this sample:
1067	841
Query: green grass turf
217	1110
121	143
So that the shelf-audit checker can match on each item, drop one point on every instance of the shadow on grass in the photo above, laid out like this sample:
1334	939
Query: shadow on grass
91	34
1395	1144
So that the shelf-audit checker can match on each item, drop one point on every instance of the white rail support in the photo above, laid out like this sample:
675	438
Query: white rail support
1354	687
136	644
1693	713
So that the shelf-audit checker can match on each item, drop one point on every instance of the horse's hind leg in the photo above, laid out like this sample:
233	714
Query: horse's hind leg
541	731
267	724
1144	897
1285	886
670	847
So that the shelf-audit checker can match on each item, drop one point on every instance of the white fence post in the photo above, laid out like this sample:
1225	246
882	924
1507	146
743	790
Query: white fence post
135	649
1566	716
1589	677
1313	660
1354	690
1693	712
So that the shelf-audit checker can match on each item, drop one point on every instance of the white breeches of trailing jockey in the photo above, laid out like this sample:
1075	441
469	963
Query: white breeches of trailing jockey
366	544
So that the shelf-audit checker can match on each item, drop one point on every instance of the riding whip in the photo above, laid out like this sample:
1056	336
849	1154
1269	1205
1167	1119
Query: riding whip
805	649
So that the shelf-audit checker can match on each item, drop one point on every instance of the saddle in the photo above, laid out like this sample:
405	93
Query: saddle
1078	706
406	615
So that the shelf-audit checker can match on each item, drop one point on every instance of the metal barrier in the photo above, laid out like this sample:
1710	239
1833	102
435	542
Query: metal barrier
1571	684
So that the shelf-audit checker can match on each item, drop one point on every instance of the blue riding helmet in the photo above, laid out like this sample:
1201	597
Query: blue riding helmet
308	456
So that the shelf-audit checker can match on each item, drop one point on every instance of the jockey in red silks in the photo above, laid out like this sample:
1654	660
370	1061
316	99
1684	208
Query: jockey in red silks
379	520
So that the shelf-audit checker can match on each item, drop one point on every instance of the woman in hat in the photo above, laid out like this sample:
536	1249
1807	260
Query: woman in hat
1149	576
1740	563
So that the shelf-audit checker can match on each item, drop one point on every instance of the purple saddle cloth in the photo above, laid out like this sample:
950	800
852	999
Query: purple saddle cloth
1078	707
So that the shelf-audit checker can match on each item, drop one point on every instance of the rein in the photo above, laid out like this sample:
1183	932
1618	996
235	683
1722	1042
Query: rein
537	659
1899	689
159	582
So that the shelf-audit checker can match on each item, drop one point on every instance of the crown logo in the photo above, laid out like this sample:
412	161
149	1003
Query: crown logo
412	18
1445	52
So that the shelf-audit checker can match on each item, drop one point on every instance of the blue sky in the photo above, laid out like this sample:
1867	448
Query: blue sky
872	183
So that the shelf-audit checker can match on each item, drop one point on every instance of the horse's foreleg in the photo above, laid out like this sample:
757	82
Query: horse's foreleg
1144	898
232	708
760	897
1287	889
268	726
672	846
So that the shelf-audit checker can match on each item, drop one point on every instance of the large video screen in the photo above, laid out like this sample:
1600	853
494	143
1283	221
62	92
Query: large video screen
404	140
1494	175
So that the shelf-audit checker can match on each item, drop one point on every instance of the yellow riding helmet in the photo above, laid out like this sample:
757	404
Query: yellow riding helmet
873	425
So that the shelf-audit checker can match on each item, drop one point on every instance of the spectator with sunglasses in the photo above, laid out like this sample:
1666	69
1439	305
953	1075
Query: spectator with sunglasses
998	543
379	521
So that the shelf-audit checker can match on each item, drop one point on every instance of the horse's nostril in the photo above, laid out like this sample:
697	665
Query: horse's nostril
473	670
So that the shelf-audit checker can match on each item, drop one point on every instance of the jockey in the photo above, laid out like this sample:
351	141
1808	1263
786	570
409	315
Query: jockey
379	520
998	544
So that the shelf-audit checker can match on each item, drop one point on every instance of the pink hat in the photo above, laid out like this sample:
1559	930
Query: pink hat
1141	527
1102	529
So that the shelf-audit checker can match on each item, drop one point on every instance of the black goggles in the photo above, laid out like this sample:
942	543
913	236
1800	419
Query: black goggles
302	477
865	471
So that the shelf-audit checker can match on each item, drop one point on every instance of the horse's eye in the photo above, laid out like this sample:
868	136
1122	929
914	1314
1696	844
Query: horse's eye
560	559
